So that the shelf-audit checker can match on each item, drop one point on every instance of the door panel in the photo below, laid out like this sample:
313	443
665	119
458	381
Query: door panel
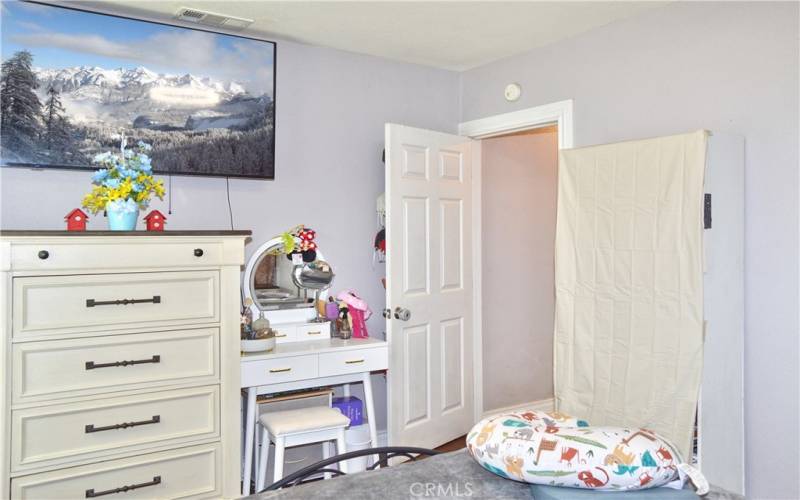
415	231
452	388
429	246
417	343
451	215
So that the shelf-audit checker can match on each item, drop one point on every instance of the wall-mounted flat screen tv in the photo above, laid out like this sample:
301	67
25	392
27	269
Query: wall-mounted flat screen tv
73	82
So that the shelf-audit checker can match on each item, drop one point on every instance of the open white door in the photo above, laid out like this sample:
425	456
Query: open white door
429	286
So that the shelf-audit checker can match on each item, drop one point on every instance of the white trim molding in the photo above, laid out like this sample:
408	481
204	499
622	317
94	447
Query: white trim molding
556	113
477	282
559	113
539	405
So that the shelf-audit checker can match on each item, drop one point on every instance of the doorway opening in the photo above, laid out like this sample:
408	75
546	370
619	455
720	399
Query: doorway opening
519	184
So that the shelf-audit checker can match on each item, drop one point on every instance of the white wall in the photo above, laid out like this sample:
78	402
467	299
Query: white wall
331	107
518	204
721	66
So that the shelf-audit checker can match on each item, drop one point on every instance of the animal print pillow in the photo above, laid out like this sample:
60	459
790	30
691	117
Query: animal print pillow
559	450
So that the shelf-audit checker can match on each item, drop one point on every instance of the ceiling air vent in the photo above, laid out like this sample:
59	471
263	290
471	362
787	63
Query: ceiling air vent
212	19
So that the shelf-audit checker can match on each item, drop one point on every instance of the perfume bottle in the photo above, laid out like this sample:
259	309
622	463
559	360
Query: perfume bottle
343	324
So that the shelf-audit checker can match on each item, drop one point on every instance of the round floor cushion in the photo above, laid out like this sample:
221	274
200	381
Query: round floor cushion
556	449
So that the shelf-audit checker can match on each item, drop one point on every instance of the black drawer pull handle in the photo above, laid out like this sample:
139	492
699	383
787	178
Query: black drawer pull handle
91	365
43	254
198	252
122	302
124	425
123	489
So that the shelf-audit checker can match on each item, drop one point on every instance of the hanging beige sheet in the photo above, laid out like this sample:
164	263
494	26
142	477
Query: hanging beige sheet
629	284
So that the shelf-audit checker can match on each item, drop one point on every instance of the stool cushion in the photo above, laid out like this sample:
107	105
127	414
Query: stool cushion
302	420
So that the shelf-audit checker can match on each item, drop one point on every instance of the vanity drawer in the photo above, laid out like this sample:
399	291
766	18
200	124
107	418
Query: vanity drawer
184	473
274	371
66	368
74	432
357	360
102	302
314	331
285	333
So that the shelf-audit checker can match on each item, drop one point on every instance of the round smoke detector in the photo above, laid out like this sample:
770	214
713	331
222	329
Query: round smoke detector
512	92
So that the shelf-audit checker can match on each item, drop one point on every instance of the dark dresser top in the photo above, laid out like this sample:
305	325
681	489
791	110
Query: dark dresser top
48	233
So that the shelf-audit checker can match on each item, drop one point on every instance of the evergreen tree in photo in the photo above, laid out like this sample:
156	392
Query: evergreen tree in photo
56	133
20	109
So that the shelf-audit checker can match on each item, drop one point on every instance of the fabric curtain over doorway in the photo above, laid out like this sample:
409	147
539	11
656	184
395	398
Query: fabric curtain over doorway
629	284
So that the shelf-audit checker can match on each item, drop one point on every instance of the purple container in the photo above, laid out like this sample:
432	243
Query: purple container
331	310
351	407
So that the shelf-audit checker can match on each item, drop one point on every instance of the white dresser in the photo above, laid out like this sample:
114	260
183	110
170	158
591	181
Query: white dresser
120	363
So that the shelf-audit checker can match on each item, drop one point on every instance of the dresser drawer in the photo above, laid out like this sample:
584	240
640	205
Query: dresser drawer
66	368
184	473
357	360
74	432
274	371
314	331
108	255
102	302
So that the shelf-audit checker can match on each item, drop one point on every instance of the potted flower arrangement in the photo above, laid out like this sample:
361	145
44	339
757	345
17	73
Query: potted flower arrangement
123	185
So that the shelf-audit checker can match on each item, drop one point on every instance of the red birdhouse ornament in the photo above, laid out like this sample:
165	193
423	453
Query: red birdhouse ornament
76	220
155	221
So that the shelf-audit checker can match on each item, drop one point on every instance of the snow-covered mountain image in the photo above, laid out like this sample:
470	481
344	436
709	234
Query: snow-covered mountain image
73	79
141	98
202	100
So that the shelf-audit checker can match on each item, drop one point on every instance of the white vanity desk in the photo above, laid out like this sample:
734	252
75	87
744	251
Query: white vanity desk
308	364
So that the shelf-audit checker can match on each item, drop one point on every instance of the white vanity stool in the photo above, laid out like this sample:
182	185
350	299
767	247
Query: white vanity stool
318	424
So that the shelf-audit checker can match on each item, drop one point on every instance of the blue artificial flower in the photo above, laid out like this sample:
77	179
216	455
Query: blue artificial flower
145	164
112	183
102	157
125	172
136	187
144	146
99	176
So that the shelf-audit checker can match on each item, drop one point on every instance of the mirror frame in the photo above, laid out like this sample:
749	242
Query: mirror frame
247	278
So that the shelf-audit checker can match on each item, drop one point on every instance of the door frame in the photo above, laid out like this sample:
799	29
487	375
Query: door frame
558	113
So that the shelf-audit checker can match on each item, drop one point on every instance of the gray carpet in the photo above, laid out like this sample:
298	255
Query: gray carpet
453	475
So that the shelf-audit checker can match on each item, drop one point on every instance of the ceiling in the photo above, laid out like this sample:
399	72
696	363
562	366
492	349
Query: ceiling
454	35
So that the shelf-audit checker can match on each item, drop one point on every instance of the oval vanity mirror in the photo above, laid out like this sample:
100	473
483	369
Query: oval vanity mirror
269	282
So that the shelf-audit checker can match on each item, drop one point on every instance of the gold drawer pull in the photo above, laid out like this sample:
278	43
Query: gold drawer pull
280	370
281	335
354	361
313	333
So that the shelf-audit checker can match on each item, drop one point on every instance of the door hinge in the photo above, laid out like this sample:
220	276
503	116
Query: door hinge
707	211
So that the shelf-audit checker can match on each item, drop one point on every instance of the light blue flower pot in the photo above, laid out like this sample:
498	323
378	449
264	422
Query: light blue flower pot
119	220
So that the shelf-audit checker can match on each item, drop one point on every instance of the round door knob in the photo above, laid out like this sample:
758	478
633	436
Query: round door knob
43	254
402	314
198	252
387	313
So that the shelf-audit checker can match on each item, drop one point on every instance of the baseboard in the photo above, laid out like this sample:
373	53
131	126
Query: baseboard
540	405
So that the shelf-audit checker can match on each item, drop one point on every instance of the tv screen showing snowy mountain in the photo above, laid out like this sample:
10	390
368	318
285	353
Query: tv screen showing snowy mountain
72	82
